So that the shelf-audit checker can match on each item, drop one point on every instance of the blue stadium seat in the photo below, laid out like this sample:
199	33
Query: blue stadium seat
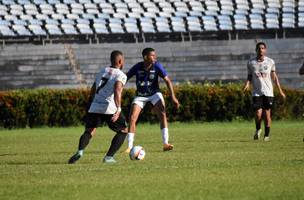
6	31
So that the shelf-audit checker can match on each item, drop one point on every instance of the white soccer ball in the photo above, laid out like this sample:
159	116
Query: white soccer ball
137	153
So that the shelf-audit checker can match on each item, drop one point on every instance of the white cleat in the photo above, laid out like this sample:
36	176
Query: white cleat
266	139
109	159
257	134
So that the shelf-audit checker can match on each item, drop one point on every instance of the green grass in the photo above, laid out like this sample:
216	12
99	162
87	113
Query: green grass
210	161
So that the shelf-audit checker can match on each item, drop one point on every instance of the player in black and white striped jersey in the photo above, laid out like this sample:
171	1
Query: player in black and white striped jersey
105	106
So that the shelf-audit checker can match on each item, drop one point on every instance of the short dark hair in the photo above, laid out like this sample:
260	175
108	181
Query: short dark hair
147	51
114	55
260	43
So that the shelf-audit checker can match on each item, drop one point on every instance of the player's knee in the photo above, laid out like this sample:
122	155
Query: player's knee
90	131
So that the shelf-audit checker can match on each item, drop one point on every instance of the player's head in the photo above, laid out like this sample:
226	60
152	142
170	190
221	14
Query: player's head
117	59
260	48
149	55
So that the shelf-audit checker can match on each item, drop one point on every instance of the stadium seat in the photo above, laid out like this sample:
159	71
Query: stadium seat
272	21
256	21
84	29
301	19
288	20
146	25
178	24
37	30
26	17
52	21
35	22
72	16
209	23
68	29
224	22
6	31
8	2
100	28
53	29
20	22
21	30
162	25
194	24
67	21
240	22
53	2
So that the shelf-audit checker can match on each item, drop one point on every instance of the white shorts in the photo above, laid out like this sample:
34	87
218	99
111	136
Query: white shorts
141	101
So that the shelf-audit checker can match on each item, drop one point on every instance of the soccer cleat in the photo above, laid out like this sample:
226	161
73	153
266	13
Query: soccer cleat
168	147
127	150
257	134
74	158
109	159
266	139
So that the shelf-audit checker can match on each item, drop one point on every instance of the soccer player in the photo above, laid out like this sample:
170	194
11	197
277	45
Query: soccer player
261	70
105	106
147	73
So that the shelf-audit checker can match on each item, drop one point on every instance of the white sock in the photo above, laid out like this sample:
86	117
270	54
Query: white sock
80	152
165	135
130	138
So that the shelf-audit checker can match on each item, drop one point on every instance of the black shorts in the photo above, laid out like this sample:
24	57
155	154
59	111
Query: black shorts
93	120
263	102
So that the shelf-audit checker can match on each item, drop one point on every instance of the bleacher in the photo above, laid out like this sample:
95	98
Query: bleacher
94	19
64	43
75	65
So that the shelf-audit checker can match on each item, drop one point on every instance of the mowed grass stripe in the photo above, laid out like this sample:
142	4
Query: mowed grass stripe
210	161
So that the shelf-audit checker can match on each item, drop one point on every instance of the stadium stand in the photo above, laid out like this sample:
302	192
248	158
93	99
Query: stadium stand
179	29
141	17
74	65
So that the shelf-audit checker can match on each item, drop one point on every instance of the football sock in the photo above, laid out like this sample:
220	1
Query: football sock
117	141
80	152
165	135
267	131
258	126
130	140
84	140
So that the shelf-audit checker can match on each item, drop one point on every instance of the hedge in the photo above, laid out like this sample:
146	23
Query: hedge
199	102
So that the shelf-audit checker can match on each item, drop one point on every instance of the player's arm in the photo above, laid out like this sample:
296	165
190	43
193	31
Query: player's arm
276	81
171	91
118	87
92	94
247	83
131	72
249	79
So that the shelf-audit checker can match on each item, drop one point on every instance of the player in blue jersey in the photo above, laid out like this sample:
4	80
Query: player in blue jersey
147	73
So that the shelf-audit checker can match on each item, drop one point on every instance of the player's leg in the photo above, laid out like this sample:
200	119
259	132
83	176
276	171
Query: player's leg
160	109
120	127
133	117
91	124
267	105
258	111
267	124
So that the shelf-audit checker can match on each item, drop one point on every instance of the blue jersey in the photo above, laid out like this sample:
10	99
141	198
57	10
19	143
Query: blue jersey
147	81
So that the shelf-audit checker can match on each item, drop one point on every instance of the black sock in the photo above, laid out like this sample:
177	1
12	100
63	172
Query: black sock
84	140
117	141
267	131
258	125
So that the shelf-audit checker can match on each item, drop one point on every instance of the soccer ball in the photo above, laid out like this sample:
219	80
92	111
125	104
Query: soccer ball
137	153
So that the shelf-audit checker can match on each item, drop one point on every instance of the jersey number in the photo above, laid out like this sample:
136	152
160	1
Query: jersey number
102	83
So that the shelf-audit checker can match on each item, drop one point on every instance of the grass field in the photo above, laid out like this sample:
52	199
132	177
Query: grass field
210	161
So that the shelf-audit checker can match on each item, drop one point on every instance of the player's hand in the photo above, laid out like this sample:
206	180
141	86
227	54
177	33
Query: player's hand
246	87
115	116
176	102
283	94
